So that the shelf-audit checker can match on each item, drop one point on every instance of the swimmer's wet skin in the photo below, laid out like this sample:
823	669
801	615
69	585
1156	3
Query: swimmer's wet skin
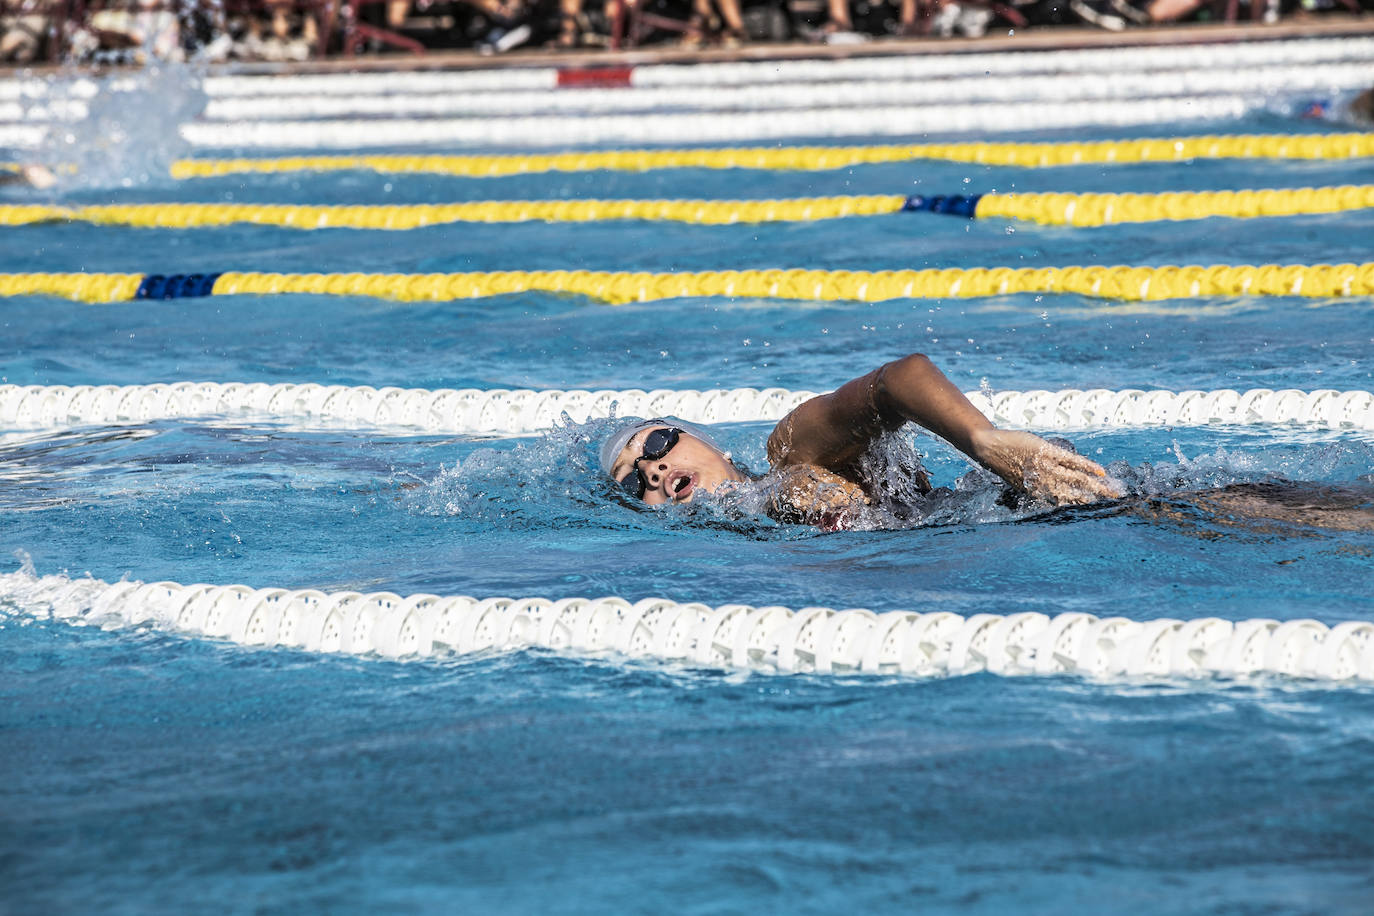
815	453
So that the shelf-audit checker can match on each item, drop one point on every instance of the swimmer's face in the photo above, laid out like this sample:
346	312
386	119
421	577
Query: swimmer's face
676	475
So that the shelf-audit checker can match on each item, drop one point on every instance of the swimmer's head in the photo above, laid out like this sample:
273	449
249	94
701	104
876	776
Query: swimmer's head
666	460
1362	107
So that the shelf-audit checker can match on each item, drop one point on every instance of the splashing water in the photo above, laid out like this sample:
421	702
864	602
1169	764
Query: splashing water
131	130
24	595
523	482
1334	461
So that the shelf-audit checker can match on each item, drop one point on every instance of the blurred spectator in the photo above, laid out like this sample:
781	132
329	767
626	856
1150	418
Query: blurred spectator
298	29
944	18
572	25
1175	10
23	25
293	33
505	24
704	23
840	27
143	27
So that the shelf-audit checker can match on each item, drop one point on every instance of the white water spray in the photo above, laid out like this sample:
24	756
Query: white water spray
123	129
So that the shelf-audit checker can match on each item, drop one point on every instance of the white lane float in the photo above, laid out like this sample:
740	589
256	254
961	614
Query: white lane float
772	639
500	411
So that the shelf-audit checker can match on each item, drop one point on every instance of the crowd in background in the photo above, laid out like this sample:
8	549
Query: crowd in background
37	30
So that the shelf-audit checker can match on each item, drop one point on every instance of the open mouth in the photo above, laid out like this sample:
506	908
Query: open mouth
683	485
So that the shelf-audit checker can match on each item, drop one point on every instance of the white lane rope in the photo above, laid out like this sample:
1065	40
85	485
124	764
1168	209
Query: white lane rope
996	69
22	136
995	65
903	96
694	127
470	411
767	639
787	96
33	113
1013	63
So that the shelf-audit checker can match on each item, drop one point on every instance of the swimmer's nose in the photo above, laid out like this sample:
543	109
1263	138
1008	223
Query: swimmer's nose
656	473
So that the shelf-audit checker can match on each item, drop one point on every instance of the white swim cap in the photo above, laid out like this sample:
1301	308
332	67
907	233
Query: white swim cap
616	442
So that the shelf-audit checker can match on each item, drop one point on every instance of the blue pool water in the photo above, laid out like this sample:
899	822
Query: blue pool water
147	772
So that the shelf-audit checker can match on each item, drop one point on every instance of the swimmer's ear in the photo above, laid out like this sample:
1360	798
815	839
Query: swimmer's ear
740	467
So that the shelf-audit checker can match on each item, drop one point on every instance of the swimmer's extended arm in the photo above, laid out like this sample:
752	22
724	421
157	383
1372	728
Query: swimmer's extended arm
834	430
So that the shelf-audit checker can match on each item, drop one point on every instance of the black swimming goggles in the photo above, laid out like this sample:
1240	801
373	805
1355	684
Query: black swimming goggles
657	444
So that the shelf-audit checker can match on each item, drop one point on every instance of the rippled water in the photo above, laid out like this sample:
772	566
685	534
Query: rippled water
147	772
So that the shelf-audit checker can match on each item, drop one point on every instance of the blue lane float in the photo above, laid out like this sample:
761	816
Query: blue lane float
953	204
176	286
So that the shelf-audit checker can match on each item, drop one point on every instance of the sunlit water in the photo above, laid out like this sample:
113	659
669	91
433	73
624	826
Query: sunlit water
146	772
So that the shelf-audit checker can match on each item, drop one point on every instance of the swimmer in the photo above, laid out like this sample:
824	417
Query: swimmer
1361	108
816	453
35	176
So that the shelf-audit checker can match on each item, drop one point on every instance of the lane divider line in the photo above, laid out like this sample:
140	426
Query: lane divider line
622	287
1320	80
501	411
815	158
1231	57
1082	210
773	639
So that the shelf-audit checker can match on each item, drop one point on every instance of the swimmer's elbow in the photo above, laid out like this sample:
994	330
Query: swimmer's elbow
913	365
910	372
913	360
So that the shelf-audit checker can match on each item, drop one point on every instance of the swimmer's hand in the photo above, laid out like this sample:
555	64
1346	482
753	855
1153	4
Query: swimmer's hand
1043	470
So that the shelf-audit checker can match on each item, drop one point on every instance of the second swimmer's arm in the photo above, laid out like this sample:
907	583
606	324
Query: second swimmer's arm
834	430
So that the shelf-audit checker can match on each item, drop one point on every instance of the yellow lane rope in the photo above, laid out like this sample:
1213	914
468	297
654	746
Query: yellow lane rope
1105	209
414	216
1051	208
81	287
810	158
1120	282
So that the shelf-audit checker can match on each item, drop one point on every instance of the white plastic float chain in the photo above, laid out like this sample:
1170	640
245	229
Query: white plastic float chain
707	127
998	65
1015	63
887	68
771	639
522	411
1030	89
544	131
1027	90
22	136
